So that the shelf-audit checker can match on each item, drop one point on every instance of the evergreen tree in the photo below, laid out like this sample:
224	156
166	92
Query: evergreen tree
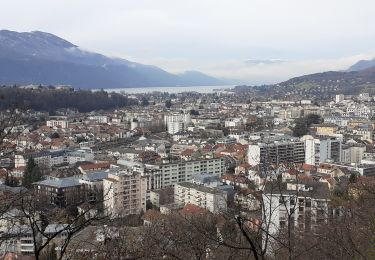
145	102
32	173
168	103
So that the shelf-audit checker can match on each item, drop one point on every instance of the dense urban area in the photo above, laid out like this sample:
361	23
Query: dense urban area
241	173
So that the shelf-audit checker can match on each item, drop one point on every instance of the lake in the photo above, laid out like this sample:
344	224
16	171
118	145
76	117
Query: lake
200	89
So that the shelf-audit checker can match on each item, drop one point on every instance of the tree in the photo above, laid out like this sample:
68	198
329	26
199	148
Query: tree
55	135
145	102
194	112
32	173
168	103
302	124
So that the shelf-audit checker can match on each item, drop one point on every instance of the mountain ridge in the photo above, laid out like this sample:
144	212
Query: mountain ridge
362	65
43	58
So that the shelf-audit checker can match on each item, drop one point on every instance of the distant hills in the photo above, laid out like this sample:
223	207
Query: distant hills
358	78
43	58
362	65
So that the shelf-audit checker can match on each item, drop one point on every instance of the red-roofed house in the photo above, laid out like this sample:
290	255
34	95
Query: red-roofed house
193	210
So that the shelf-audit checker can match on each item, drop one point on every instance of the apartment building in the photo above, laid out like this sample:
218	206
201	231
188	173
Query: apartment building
20	239
276	152
124	193
64	192
49	158
352	153
58	123
307	204
233	122
173	173
212	199
359	110
177	122
322	149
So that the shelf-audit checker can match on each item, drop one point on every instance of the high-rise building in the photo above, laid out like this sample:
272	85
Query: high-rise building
124	193
320	150
276	152
303	206
177	122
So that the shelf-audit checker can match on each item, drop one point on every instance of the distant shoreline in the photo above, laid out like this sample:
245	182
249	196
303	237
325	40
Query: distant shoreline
178	89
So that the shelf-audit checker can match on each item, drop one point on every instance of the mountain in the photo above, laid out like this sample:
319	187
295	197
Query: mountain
43	58
331	82
317	86
362	65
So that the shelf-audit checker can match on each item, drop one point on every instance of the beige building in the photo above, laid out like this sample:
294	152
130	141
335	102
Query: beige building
212	199
124	193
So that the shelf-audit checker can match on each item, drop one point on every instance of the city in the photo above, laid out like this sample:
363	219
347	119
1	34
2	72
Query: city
187	130
260	166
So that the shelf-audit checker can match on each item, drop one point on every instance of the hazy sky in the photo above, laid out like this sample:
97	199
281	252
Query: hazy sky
224	38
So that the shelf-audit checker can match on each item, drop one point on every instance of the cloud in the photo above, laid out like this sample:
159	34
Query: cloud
258	41
274	72
261	62
257	71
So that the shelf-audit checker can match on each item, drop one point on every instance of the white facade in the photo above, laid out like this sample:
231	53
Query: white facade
100	119
233	122
175	127
177	122
306	205
173	173
318	151
57	123
253	154
212	199
339	98
80	156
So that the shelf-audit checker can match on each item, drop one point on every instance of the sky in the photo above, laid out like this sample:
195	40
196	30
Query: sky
251	41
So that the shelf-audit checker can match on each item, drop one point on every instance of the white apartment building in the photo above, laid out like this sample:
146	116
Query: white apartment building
49	158
124	193
233	122
212	199
177	122
276	152
80	155
173	173
100	119
58	123
339	98
306	204
319	150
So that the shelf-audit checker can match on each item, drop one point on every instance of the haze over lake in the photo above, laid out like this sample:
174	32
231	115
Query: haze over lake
199	89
